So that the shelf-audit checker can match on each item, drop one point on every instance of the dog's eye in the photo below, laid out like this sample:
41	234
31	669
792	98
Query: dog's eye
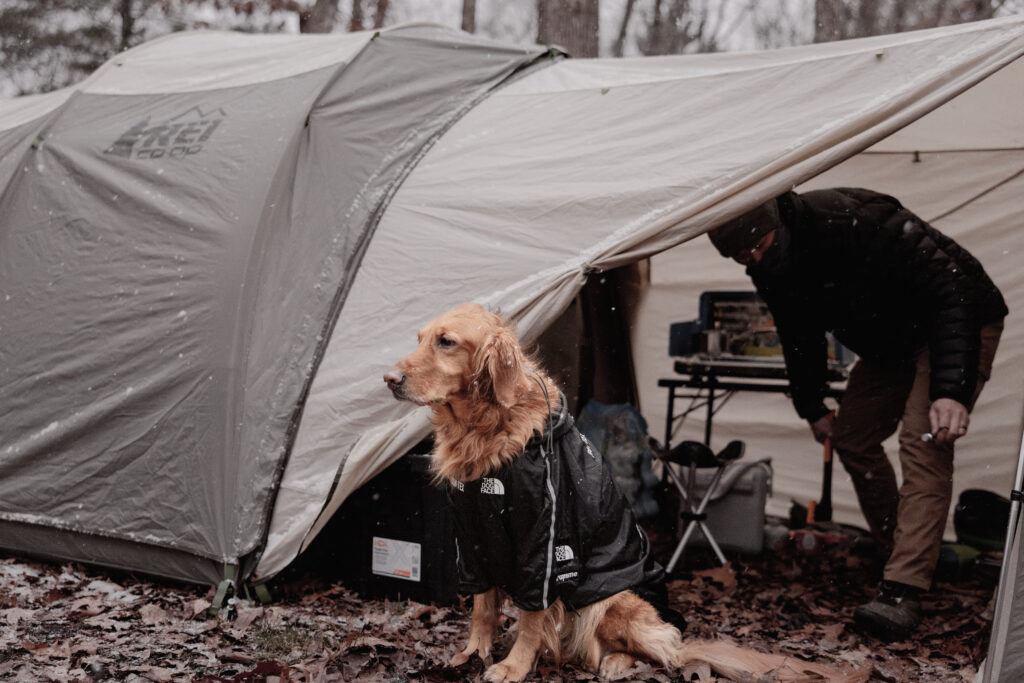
445	342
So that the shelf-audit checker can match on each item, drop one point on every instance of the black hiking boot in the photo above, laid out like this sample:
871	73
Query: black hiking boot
893	614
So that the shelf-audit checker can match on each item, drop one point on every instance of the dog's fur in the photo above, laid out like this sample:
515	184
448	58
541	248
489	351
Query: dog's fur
487	401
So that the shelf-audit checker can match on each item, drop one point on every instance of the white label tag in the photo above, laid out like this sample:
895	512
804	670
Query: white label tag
399	559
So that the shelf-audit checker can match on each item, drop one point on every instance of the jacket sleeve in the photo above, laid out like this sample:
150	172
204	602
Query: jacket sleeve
470	573
937	275
480	542
530	510
805	351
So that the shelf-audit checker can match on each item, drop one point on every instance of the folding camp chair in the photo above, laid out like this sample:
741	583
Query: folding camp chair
690	456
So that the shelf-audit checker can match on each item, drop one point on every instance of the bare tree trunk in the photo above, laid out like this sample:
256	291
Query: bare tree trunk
828	21
381	13
656	32
319	18
679	26
356	22
127	24
572	24
620	40
839	19
868	16
469	16
676	36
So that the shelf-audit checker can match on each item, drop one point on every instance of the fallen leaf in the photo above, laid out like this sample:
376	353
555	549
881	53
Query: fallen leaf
247	615
15	615
420	611
153	614
722	575
199	606
159	674
235	656
88	607
833	631
370	642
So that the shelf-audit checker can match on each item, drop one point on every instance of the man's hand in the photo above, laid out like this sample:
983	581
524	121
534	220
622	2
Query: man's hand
822	427
949	420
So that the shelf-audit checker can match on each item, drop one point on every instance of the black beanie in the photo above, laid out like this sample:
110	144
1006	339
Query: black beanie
746	230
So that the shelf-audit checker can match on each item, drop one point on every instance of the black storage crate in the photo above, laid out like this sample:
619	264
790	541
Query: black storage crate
394	537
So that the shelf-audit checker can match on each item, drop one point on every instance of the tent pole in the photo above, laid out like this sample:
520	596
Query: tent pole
1007	579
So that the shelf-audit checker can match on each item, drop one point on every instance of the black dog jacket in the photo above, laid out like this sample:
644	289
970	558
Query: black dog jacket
550	524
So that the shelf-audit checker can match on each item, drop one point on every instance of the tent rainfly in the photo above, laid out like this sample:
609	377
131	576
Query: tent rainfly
211	248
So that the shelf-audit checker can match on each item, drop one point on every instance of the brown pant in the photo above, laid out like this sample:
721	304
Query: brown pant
910	520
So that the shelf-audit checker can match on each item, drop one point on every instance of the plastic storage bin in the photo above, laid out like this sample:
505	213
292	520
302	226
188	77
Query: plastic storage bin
394	537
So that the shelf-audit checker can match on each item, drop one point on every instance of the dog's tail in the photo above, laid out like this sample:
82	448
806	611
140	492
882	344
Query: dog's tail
741	663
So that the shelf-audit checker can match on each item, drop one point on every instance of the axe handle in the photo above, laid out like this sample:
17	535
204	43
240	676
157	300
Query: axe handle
823	510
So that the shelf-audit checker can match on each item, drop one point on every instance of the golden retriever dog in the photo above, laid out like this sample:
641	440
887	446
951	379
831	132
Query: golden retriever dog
510	457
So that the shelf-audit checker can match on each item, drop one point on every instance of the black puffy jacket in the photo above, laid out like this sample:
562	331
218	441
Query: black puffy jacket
883	281
550	524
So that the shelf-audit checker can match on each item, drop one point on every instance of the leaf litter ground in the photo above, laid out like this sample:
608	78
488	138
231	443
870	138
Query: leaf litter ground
75	623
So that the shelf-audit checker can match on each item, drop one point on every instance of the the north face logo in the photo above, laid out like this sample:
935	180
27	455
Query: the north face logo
176	138
492	486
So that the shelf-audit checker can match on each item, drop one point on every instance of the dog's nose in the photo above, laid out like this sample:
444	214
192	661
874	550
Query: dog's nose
394	378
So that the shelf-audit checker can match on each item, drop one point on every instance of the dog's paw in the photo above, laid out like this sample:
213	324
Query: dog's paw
503	672
460	658
615	663
481	646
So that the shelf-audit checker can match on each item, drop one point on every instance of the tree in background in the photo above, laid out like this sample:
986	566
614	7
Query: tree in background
49	44
840	19
469	16
663	27
572	24
357	20
319	18
672	27
46	44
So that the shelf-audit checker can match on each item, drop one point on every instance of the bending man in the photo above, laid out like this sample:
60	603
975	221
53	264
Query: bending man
924	319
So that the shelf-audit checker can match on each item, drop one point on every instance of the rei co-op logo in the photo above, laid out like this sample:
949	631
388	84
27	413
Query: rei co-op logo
176	138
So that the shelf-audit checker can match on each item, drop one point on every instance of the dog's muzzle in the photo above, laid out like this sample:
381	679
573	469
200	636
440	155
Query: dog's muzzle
395	379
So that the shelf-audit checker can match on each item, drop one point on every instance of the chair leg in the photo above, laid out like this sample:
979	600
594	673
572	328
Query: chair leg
678	482
697	510
679	548
681	486
711	541
700	511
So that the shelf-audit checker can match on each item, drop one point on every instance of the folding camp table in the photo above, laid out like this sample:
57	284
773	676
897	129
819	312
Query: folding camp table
707	379
714	379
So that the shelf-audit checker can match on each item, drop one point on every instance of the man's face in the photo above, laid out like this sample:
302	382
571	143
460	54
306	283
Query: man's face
748	237
753	254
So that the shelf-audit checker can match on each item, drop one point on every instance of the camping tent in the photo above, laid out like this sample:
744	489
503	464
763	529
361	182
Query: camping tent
212	248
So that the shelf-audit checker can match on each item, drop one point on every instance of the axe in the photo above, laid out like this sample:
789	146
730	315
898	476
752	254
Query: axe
822	510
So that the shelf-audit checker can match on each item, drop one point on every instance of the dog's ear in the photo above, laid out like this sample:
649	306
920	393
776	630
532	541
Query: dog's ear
499	367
